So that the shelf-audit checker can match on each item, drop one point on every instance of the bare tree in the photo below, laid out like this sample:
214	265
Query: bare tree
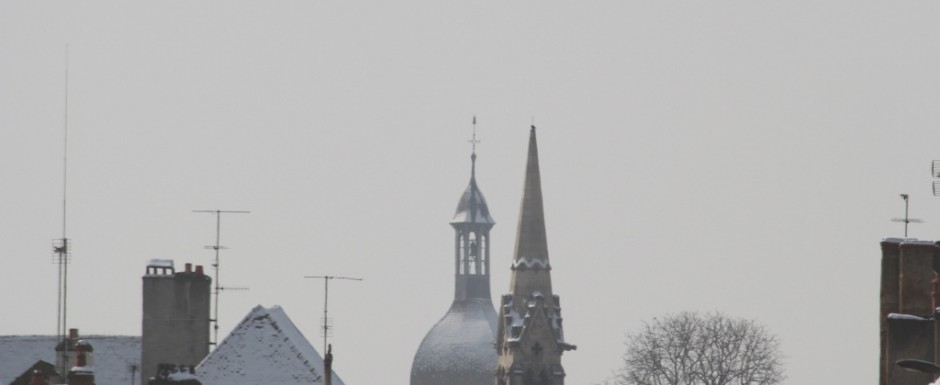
701	349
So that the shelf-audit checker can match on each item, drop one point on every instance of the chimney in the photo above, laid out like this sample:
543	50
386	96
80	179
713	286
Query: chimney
890	265
82	373
189	267
328	366
73	334
916	269
199	270
38	378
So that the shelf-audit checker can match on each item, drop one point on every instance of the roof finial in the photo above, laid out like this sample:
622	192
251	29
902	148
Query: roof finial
473	156
474	140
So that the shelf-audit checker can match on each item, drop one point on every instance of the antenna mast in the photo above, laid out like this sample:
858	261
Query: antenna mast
906	218
325	329
215	265
60	247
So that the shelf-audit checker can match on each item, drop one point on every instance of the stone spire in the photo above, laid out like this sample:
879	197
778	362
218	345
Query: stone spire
530	339
530	259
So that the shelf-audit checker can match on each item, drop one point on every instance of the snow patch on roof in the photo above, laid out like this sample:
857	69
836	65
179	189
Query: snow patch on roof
909	317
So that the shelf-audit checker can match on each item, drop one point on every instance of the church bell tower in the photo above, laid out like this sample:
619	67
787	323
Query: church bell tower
530	339
458	350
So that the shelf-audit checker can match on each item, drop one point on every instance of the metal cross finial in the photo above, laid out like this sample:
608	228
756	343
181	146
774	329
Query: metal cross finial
474	140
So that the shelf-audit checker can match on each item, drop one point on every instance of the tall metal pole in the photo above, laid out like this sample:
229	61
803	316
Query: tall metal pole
61	248
326	297
906	220
217	247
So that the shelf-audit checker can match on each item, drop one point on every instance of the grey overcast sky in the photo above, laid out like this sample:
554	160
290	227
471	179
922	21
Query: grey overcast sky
739	156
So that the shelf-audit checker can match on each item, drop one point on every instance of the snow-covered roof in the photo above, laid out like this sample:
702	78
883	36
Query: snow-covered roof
265	348
459	349
114	356
472	207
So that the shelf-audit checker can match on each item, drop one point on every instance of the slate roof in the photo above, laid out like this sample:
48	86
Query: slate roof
113	356
266	348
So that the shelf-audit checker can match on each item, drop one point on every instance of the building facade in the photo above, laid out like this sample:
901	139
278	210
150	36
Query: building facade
458	350
530	338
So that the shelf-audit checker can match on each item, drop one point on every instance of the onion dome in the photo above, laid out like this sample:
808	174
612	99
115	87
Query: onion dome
459	348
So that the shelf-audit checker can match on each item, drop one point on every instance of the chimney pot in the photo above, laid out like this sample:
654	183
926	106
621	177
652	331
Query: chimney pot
73	334
189	267
199	270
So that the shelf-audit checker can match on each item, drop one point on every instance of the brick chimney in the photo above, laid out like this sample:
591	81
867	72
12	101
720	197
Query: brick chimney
37	378
82	373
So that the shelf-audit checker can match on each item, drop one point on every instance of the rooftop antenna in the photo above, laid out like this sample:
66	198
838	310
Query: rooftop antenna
906	218
215	265
326	328
60	247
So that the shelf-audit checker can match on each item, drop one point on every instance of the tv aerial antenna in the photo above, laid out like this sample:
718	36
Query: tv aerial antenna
326	329
906	218
60	247
935	172
215	265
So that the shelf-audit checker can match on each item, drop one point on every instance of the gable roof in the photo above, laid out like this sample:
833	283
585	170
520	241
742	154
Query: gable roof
47	370
265	348
114	356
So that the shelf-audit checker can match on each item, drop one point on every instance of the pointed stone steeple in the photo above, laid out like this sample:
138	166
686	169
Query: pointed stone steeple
530	264
530	339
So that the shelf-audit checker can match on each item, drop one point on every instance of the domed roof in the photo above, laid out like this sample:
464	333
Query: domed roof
460	348
472	206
